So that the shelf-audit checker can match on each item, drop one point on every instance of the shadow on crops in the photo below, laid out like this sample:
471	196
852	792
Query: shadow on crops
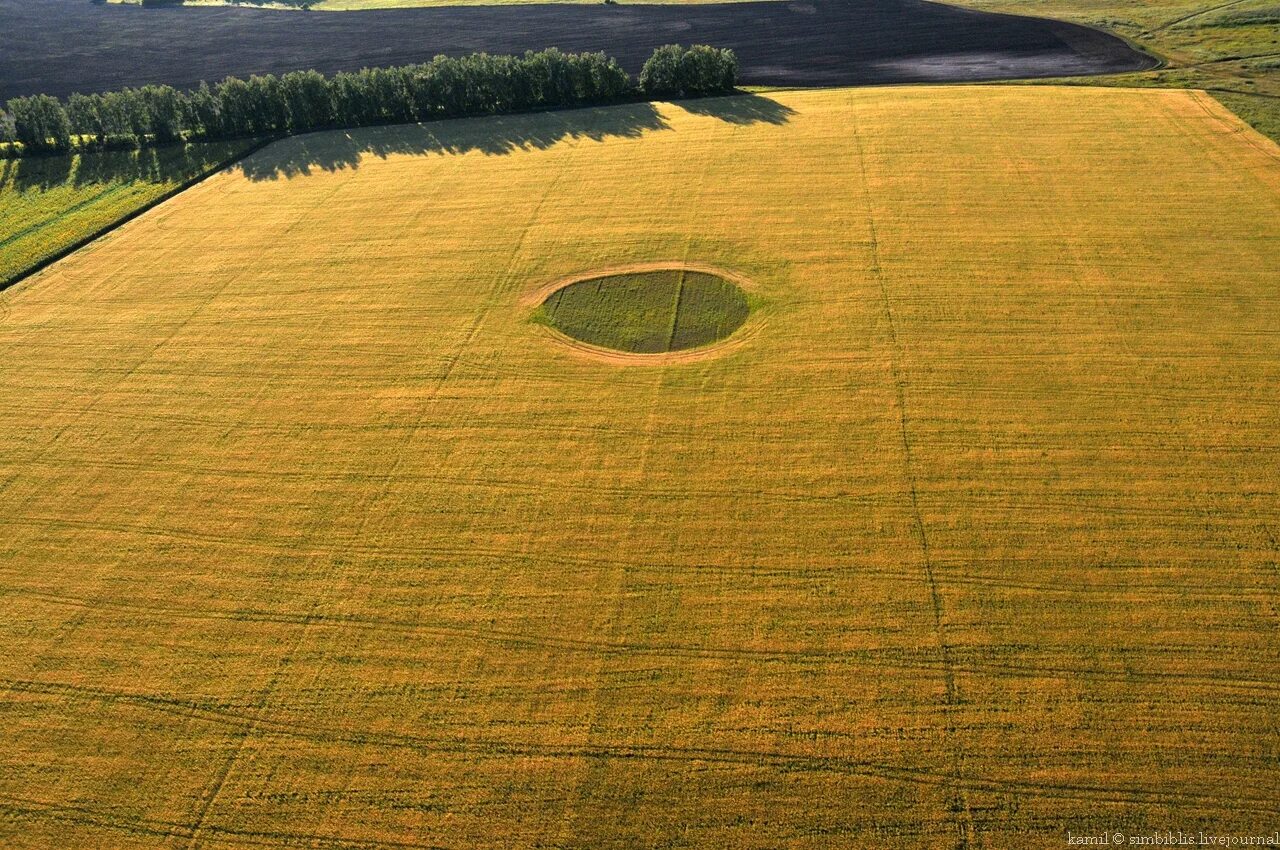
165	164
493	136
740	109
335	151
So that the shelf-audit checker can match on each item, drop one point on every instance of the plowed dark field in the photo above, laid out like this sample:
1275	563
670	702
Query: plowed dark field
61	46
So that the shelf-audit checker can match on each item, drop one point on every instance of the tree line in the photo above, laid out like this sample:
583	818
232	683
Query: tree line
445	87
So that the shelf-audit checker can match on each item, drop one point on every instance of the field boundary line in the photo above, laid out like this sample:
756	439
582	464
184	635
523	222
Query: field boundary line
84	241
1234	124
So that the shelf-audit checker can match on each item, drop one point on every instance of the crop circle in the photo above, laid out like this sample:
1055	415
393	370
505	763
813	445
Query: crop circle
654	311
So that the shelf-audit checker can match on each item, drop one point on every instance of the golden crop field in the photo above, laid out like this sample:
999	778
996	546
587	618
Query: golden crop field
311	537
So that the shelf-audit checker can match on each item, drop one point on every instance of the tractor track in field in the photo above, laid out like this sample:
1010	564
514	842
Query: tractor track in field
883	657
16	807
61	46
1198	13
960	806
481	747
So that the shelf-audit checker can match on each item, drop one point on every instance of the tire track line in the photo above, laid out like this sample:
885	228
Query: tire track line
1196	14
165	829
504	749
962	813
214	791
571	829
882	657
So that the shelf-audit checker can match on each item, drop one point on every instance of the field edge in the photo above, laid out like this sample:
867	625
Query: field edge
26	273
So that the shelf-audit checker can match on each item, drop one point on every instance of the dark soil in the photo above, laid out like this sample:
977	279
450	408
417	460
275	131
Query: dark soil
60	46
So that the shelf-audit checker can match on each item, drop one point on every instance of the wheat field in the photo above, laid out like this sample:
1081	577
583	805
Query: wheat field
310	536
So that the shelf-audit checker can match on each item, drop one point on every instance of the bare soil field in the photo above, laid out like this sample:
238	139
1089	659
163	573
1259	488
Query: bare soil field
311	537
61	46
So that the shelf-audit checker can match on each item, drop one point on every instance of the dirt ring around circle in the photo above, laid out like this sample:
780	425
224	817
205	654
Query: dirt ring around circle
647	313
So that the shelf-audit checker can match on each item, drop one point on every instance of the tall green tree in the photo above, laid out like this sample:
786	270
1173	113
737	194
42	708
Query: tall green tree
166	112
84	114
707	70
660	76
202	116
127	116
445	87
235	107
673	71
40	123
308	100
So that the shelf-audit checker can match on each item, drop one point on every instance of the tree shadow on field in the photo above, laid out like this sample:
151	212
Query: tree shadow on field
740	109
491	135
163	164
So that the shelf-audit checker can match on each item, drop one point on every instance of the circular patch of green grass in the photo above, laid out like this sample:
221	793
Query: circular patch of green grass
648	312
